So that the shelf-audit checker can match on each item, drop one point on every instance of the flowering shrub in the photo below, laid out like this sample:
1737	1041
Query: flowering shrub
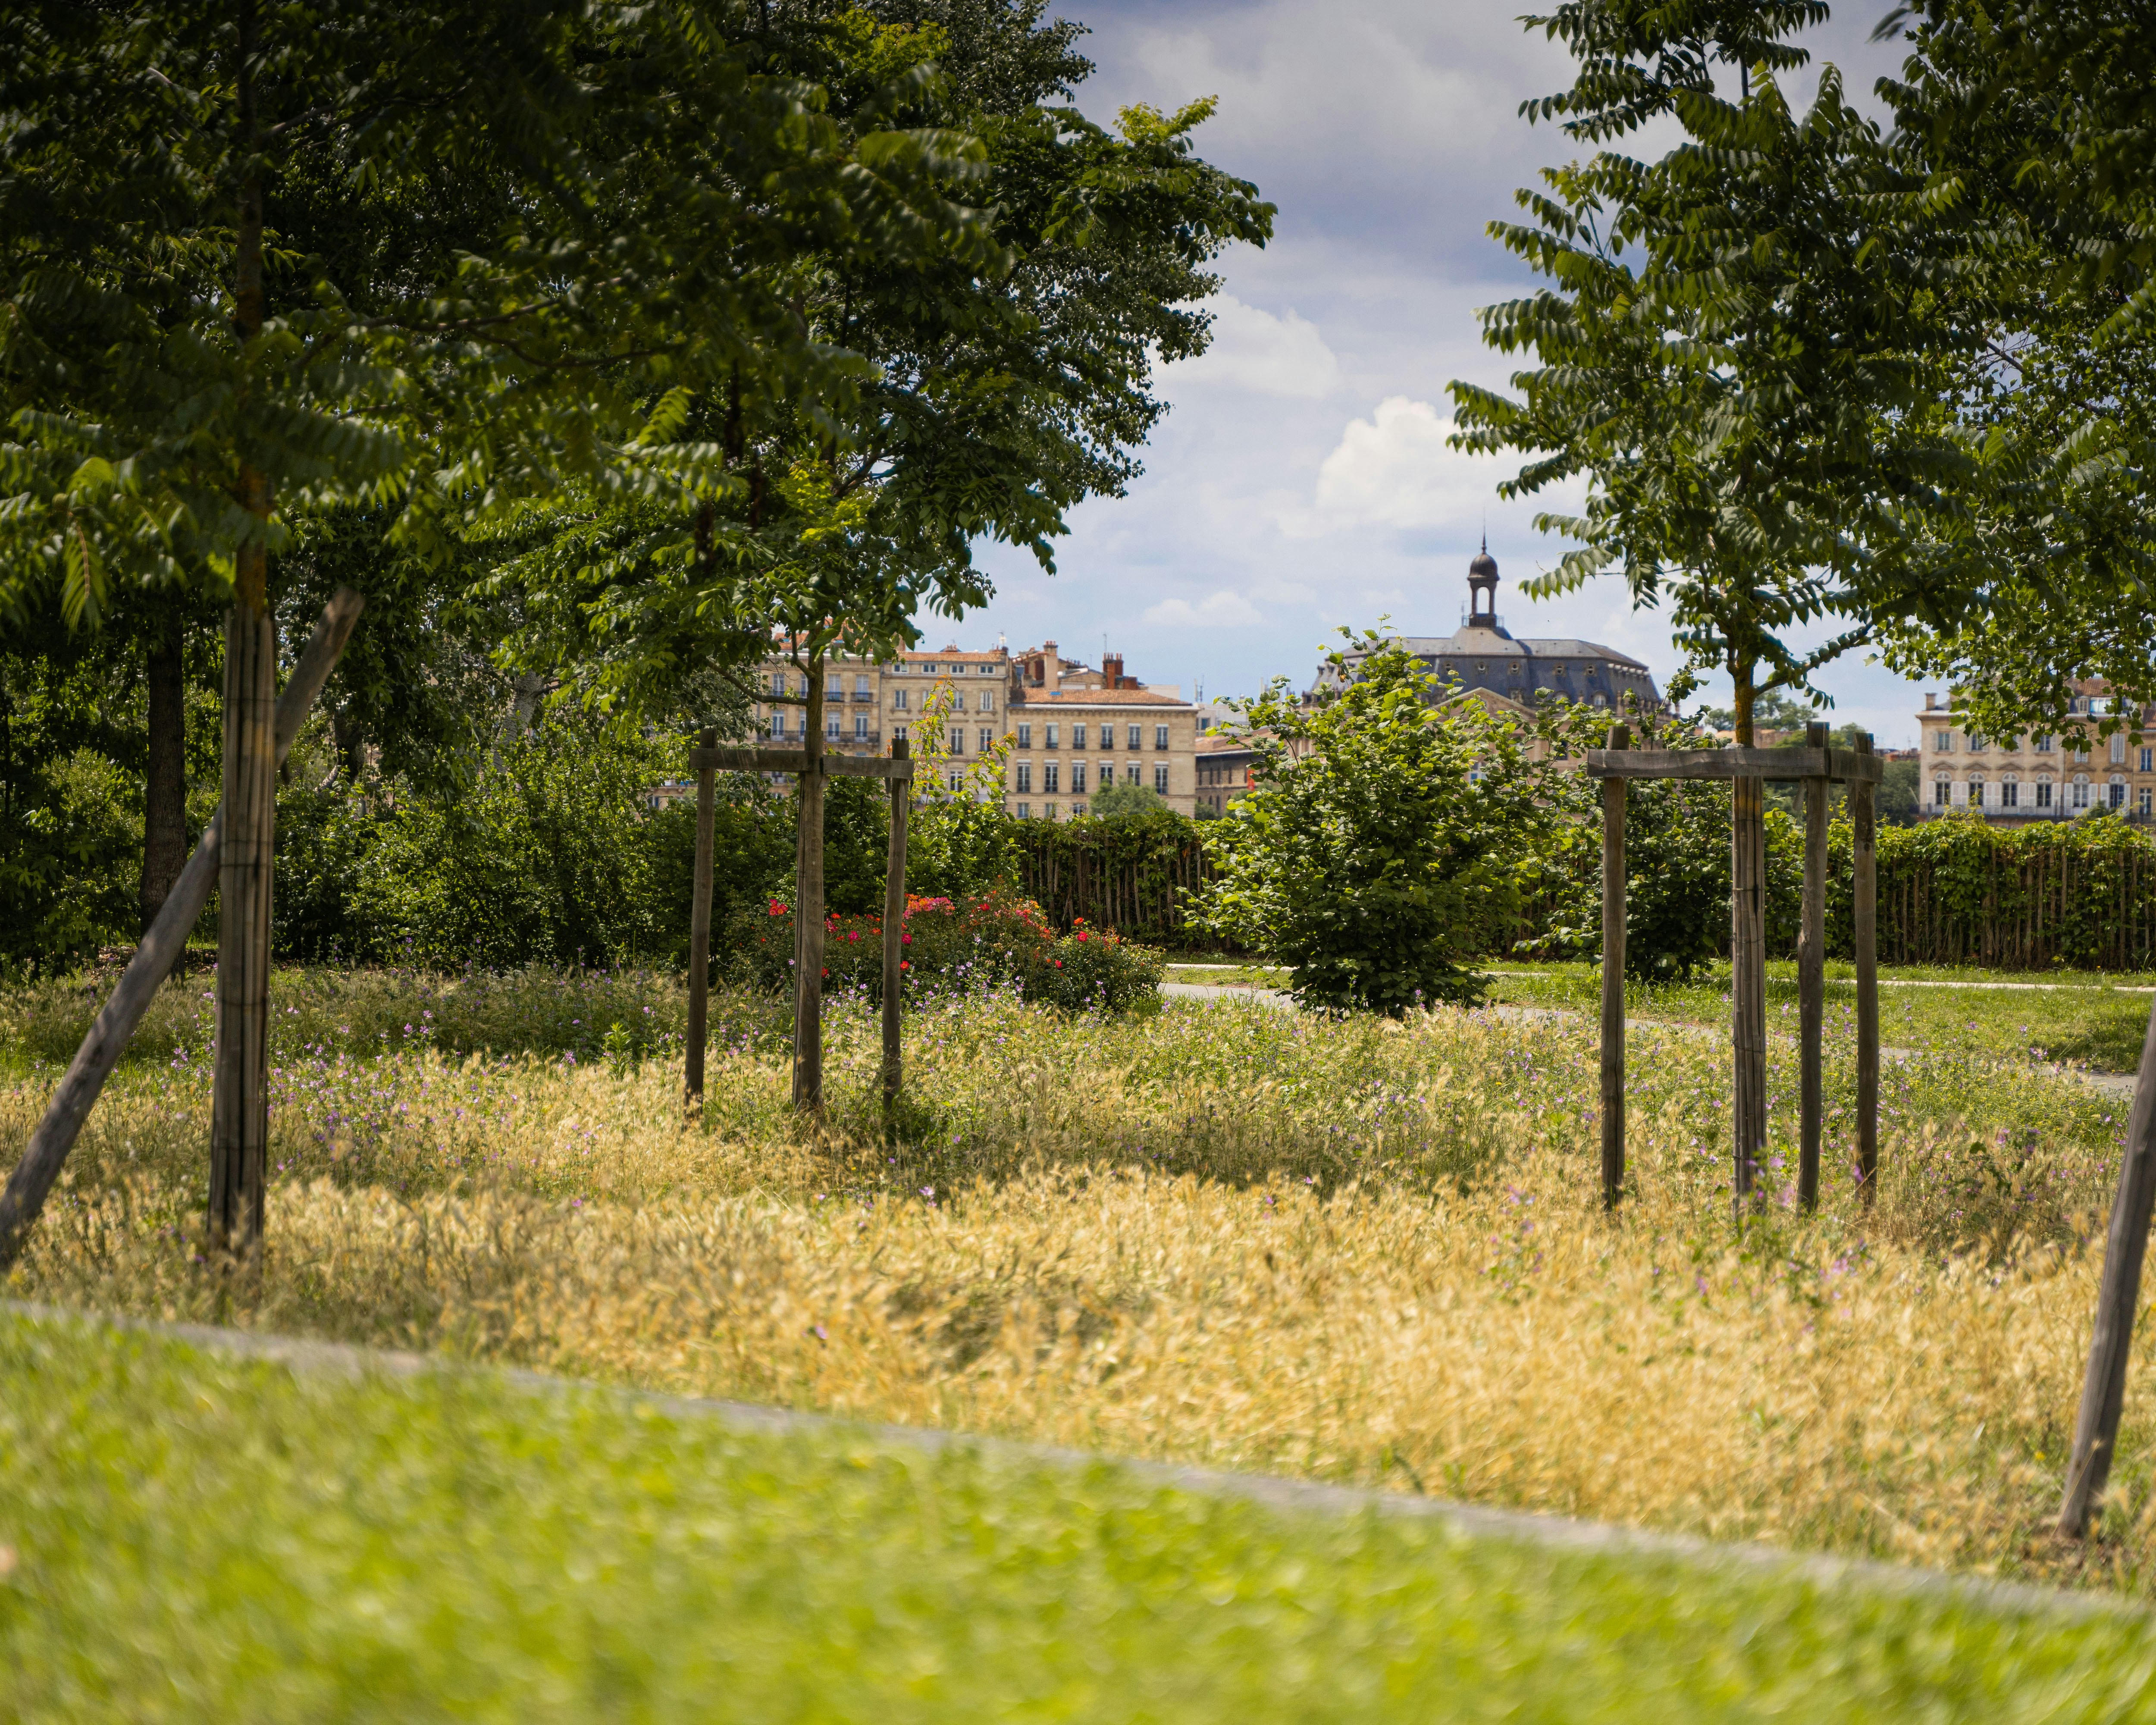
957	946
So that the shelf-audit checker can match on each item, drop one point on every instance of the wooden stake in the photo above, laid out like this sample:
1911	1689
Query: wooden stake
1865	860
894	927
240	1093
2104	1391
1811	982
1612	977
1748	992
700	924
809	911
160	948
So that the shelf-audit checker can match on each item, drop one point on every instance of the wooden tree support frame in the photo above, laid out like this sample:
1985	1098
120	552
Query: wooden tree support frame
709	758
1816	767
83	1082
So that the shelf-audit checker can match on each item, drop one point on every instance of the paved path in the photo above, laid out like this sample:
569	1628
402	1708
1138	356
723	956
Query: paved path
2119	1084
302	1357
1832	982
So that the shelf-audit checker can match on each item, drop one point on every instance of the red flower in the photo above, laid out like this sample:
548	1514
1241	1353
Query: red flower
1081	934
906	964
776	908
1059	964
827	972
853	934
905	940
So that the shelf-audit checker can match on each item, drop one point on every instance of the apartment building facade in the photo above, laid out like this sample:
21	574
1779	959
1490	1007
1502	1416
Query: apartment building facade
1076	730
2037	778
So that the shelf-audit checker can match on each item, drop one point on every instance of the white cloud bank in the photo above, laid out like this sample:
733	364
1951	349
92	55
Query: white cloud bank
1253	350
1396	469
1221	609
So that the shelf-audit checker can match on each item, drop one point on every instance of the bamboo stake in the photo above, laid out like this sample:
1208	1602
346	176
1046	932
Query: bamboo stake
1811	980
894	927
1864	857
700	924
2104	1391
1612	977
160	948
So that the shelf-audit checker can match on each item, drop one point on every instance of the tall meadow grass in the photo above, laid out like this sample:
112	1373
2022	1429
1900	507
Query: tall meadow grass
1356	1249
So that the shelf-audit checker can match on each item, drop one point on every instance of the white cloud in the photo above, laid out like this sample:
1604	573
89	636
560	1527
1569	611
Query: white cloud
1221	609
1395	470
1255	351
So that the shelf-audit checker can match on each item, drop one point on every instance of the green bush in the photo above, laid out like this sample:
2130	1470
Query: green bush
956	946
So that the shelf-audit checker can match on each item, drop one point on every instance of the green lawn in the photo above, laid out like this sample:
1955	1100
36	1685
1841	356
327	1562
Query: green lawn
187	1536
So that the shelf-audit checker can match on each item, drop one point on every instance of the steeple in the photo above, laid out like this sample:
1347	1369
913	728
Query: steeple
1482	589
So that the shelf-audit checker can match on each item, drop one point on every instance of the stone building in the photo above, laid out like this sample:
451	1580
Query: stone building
1076	730
2010	781
1226	763
1483	658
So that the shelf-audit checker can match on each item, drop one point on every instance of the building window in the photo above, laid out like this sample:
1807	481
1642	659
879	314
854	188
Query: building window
1130	773
2144	796
1049	774
1134	734
987	700
2010	794
1077	778
860	688
778	725
2044	745
1051	742
898	700
1078	737
1942	743
1160	738
1025	776
1026	811
2117	749
835	687
957	781
831	727
1160	780
2043	793
1942	792
2081	793
957	739
986	739
1107	774
2148	759
1976	793
898	733
928	671
2117	789
1077	811
860	727
1025	736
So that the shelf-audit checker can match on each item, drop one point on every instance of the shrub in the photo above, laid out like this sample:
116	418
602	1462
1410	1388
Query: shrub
1384	846
957	946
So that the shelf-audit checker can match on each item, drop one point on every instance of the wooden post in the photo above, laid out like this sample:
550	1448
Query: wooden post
240	1092
808	909
700	924
894	925
2103	1392
1747	992
1612	977
160	948
1865	860
1811	982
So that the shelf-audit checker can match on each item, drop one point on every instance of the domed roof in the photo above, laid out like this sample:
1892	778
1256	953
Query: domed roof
1484	565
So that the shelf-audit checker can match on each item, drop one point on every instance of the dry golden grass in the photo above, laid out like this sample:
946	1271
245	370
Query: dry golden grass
1361	1251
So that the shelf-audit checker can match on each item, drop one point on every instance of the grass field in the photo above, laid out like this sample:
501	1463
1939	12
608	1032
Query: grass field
2074	1017
1352	1250
184	1536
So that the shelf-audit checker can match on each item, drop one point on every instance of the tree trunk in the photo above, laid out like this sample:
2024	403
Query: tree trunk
165	773
240	1109
1811	972
1747	964
809	908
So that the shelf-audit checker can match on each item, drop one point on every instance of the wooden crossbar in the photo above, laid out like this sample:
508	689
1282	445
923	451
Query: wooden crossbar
748	760
1837	766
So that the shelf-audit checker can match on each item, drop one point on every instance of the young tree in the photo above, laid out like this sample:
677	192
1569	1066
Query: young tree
176	382
1735	355
1382	847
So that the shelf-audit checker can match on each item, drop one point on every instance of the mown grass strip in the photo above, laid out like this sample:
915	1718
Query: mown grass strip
189	1535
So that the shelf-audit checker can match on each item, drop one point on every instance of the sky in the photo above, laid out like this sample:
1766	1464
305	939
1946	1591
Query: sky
1302	481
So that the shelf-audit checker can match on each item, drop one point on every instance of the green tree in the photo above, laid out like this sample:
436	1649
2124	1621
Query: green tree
1127	802
1385	844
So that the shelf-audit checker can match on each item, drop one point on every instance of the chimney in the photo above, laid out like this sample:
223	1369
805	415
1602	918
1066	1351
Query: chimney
1111	670
1931	701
